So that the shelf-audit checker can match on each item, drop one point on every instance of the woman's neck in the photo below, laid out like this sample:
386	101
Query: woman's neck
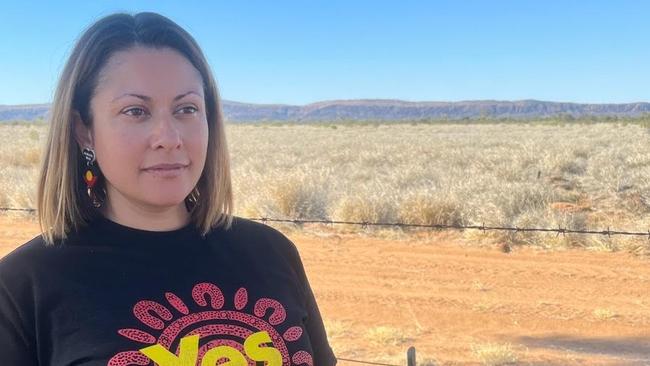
144	217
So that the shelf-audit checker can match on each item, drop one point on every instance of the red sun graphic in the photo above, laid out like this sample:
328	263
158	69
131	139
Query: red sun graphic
214	325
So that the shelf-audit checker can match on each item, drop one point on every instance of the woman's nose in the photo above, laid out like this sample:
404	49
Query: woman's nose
166	133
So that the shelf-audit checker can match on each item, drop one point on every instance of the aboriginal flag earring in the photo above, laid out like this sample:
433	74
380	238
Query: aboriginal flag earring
91	174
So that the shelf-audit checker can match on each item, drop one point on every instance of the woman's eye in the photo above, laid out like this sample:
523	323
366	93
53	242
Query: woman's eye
136	112
189	109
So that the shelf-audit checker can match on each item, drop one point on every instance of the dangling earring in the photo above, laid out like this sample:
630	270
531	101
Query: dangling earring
91	175
192	199
194	195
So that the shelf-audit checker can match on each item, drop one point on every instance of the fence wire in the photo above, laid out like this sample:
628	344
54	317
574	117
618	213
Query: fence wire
365	224
483	227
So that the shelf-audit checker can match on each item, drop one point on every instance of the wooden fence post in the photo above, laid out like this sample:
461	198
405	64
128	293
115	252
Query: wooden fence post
410	356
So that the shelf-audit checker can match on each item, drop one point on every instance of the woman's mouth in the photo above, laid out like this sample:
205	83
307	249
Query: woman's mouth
166	170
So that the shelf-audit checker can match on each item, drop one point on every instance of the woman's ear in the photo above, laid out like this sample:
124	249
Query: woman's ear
82	133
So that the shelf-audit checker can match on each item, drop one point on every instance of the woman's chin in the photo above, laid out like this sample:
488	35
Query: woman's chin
166	201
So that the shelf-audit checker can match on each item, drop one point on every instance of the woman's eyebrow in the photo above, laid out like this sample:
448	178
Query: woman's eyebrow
147	98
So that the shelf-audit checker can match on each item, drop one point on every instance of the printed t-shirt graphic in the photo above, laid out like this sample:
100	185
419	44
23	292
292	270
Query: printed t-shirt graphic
224	328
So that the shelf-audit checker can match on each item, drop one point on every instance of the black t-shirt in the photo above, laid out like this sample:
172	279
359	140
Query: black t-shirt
115	295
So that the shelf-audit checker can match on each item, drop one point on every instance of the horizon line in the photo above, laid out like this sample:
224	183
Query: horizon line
390	100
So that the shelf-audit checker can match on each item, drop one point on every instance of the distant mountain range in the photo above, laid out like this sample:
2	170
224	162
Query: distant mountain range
386	109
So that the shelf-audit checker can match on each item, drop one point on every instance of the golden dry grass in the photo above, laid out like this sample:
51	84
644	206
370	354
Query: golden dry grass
604	313
386	336
495	354
20	149
582	176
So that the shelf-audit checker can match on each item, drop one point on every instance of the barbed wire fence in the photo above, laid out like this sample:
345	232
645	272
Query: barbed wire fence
364	224
410	356
482	227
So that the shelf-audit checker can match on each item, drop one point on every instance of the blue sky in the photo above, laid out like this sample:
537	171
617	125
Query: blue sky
298	52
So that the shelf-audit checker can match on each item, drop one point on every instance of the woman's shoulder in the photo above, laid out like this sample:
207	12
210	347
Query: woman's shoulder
23	254
245	231
252	228
35	255
24	265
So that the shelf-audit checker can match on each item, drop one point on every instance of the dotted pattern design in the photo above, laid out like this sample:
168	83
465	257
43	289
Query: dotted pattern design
208	318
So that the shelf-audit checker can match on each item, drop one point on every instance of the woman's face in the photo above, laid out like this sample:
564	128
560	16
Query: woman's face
150	131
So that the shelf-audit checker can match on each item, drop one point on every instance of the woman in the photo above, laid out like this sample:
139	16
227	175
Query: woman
140	260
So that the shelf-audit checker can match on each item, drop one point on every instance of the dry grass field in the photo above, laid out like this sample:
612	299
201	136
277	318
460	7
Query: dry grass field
455	295
583	176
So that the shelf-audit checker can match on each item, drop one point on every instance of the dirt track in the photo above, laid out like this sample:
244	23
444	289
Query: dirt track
556	308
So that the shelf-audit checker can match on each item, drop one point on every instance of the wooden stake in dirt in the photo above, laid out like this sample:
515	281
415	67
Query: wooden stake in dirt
410	356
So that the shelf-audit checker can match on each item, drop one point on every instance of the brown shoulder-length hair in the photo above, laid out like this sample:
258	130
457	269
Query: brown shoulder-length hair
63	203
